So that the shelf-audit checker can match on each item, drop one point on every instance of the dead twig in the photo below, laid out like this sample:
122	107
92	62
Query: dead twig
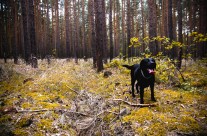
72	89
133	104
96	117
43	110
178	70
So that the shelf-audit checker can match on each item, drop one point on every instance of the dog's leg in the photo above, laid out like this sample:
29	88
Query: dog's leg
152	92
141	95
132	83
137	87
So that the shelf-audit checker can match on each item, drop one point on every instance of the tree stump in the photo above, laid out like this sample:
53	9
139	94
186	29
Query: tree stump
34	62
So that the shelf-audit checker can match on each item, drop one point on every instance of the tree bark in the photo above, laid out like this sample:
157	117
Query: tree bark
123	31
170	27
75	40
180	36
85	54
99	33
27	44
153	46
93	33
105	47
202	27
14	17
143	25
129	28
67	36
32	33
57	43
110	30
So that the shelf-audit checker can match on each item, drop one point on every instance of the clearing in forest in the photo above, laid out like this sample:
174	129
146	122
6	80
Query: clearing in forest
65	98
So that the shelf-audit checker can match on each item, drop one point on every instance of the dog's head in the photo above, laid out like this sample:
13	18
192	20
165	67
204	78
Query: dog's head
148	65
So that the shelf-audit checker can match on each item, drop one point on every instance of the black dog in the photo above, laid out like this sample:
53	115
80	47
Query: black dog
145	75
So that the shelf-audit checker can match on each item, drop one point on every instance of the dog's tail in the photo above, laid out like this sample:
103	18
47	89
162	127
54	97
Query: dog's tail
127	66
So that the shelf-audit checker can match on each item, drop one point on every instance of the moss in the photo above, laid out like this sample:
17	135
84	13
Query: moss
47	105
20	132
108	118
140	115
203	113
177	110
24	122
160	123
39	133
188	124
5	118
26	105
45	124
10	101
157	129
199	83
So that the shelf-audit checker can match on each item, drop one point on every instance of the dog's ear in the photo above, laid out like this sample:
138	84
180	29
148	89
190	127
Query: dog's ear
143	63
154	62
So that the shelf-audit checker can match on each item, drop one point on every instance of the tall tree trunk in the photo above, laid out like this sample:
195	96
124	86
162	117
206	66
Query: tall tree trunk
170	26
99	33
110	30
114	27
93	33
152	26
129	28
85	54
48	47
174	24
143	25
180	36
202	27
67	36
123	31
132	26
164	22
75	40
4	7
78	48
32	34
117	28
14	17
53	34
32	28
105	47
89	36
2	30
57	29
137	26
27	44
39	33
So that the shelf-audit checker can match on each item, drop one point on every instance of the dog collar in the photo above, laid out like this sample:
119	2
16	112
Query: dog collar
145	76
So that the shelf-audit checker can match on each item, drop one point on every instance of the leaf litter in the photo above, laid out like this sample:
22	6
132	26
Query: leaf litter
65	98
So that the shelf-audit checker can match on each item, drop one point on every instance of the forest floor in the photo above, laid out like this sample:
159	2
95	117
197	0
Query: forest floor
68	99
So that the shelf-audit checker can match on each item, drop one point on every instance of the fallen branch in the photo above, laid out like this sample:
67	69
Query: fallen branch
178	70
43	110
72	89
133	104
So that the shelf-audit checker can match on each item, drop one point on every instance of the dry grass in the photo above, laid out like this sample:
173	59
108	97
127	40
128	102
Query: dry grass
72	99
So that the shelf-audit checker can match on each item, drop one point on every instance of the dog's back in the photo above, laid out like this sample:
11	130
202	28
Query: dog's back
133	67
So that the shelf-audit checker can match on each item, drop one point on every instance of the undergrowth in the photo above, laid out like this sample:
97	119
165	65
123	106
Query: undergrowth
38	101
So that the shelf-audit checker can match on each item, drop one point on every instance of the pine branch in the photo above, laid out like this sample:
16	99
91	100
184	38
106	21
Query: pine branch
133	104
